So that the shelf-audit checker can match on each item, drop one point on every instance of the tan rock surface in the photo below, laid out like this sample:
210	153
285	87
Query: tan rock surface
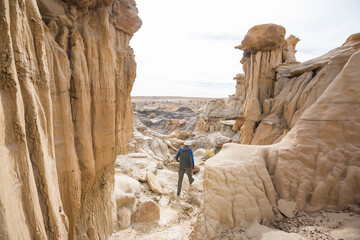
124	216
285	208
154	184
66	77
201	125
147	212
264	37
315	164
265	48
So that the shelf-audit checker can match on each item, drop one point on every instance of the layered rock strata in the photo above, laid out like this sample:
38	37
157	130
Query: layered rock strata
66	75
316	164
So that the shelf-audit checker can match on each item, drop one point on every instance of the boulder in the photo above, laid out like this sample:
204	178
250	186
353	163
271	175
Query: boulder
199	153
264	37
154	185
126	184
125	189
147	212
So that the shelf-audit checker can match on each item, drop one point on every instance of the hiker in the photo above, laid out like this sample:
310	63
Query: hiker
186	164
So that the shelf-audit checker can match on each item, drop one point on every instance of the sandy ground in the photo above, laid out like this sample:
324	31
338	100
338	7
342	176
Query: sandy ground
177	219
324	225
177	213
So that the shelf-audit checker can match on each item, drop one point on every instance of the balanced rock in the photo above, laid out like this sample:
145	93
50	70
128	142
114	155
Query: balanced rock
264	37
147	212
155	186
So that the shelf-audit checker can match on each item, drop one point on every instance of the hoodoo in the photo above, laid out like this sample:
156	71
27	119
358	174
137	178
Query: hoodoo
309	112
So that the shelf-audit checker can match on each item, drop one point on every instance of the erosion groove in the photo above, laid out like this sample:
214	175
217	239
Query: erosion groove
65	113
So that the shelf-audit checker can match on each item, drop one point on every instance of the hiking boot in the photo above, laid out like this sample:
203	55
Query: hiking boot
192	180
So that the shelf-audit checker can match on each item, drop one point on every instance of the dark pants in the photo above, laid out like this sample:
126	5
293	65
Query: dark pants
181	176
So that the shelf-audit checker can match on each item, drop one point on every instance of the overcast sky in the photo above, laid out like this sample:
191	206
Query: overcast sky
186	47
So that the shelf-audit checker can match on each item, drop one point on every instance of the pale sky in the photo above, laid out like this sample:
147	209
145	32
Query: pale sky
186	47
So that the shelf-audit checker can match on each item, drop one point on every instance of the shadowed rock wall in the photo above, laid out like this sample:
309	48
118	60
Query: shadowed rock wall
65	113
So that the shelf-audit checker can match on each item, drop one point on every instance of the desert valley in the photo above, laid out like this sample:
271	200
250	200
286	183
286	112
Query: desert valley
81	158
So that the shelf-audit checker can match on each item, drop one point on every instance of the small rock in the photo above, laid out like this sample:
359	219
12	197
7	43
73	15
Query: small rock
285	208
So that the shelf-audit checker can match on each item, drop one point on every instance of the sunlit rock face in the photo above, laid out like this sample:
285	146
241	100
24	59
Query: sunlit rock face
265	47
311	112
66	75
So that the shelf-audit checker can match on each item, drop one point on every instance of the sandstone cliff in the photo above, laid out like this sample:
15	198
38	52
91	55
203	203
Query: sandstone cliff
66	75
316	164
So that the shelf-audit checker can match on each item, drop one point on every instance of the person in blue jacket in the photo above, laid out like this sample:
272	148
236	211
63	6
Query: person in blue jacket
186	164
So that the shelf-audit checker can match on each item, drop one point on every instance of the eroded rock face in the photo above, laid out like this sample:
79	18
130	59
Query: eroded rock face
264	37
265	47
66	75
316	164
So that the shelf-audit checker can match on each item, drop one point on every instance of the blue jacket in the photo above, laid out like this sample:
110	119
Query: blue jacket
186	158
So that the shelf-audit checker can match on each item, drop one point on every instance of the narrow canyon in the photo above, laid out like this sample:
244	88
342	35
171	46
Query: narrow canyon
82	159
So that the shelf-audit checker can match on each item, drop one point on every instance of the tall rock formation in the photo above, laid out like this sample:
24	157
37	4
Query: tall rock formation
66	75
315	165
265	48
